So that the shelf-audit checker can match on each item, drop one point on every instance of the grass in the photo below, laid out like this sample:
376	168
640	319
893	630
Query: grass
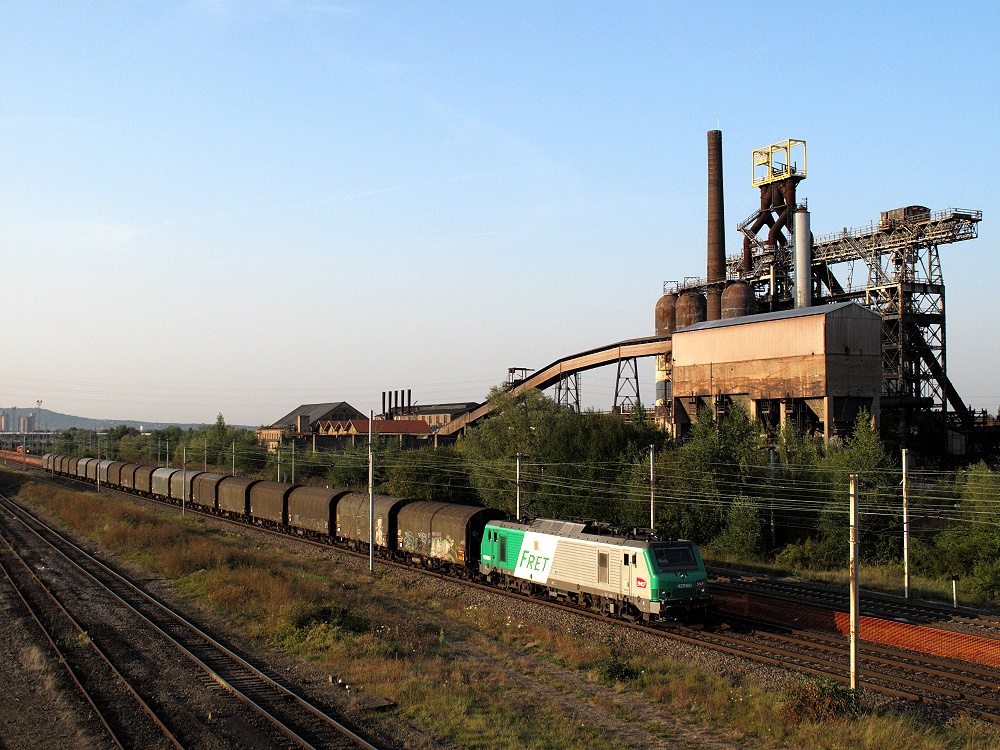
423	649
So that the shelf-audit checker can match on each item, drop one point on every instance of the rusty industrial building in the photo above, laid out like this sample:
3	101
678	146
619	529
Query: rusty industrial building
791	284
782	275
814	368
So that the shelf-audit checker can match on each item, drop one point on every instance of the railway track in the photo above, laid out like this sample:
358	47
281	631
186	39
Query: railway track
948	684
874	604
130	673
119	710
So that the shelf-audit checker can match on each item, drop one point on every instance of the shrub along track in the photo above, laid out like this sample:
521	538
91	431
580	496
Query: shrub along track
133	641
951	685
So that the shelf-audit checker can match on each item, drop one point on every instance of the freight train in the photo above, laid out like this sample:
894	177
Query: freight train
591	565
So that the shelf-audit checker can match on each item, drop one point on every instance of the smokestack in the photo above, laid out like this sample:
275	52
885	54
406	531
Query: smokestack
716	226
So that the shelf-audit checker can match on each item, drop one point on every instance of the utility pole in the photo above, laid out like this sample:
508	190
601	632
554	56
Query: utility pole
652	488
371	494
168	453
279	463
854	582
773	534
518	500
293	462
98	472
234	458
206	454
184	474
906	530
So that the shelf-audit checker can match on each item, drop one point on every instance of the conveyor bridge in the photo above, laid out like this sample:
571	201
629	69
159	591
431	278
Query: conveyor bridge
605	355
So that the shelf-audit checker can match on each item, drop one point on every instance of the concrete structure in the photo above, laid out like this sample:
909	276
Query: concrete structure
817	366
436	415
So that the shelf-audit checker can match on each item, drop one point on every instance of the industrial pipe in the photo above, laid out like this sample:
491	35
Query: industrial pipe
803	259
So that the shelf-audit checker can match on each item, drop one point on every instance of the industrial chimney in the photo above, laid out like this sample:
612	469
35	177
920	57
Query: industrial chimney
716	227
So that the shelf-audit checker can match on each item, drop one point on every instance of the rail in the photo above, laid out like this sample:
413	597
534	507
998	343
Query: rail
216	671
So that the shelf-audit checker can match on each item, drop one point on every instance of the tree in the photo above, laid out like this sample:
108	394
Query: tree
428	474
721	461
743	535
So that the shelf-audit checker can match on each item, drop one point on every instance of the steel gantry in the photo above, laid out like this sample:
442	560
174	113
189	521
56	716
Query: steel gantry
894	268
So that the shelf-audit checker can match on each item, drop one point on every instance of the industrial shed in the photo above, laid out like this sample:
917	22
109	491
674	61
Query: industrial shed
816	366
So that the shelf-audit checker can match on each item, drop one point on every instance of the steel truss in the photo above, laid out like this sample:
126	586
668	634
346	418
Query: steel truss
902	281
568	391
627	386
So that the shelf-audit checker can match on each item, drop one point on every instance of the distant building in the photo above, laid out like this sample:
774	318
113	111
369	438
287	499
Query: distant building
436	415
301	422
27	424
342	433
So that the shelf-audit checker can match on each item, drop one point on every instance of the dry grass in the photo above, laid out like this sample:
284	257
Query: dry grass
406	645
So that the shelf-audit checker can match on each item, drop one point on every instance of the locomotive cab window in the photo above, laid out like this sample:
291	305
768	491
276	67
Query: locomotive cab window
503	549
674	557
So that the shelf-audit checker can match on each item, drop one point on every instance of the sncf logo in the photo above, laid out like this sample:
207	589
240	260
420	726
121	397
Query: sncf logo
640	583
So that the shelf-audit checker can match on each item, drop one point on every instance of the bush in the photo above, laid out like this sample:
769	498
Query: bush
818	700
743	535
614	667
812	554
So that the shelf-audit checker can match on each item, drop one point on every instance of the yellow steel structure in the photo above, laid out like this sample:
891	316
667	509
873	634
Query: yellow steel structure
777	162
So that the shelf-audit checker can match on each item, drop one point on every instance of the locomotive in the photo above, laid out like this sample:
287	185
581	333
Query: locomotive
634	575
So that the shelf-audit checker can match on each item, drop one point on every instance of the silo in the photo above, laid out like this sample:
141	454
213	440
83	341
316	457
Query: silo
737	300
666	321
666	314
691	309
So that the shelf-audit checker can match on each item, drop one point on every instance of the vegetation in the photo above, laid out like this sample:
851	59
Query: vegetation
214	446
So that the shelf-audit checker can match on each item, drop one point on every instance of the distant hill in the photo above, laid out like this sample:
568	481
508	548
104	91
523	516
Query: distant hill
53	420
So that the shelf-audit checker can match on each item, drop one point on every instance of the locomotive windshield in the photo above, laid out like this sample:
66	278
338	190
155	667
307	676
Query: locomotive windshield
674	557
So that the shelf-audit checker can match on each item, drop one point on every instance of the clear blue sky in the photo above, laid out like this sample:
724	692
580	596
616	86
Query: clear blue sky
241	206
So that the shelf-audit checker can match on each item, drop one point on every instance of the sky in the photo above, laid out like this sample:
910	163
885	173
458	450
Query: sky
226	206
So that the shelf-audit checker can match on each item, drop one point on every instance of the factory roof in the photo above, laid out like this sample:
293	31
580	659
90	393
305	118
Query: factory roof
316	412
381	426
799	312
459	407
